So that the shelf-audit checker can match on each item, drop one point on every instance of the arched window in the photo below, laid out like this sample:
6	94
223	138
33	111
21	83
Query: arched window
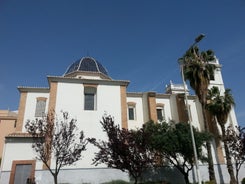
90	98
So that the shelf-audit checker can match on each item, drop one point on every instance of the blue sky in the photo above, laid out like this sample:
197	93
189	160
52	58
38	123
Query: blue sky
135	40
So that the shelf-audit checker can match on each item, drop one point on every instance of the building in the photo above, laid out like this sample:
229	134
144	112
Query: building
8	121
87	92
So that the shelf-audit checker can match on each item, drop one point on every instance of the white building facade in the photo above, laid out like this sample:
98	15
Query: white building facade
87	92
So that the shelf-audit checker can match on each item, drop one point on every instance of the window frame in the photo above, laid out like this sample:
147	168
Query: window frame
160	107
40	106
131	108
160	110
22	162
90	94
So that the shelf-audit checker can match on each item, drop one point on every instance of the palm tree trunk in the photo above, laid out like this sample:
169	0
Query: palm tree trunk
208	144
228	157
210	163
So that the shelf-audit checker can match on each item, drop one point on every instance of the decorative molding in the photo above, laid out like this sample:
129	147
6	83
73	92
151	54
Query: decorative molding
131	104
41	99
160	105
90	85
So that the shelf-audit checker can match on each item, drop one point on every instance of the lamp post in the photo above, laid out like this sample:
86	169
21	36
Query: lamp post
198	39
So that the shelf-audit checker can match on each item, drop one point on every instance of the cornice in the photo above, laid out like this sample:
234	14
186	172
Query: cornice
87	81
8	117
141	94
33	89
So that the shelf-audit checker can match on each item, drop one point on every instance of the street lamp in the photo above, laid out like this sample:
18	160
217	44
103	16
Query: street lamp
198	39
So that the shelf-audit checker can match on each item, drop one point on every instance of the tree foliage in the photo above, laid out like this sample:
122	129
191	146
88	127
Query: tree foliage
54	139
236	143
173	144
125	149
199	70
220	106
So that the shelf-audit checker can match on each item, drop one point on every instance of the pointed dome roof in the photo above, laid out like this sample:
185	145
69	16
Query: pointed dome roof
86	64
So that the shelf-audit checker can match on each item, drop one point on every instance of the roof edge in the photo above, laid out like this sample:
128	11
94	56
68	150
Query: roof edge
32	89
87	81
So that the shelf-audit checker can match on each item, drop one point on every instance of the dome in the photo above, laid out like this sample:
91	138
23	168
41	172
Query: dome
86	64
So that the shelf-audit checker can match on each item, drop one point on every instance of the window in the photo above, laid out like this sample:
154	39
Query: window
131	111
160	112
213	74
159	115
22	170
212	78
89	98
40	106
89	101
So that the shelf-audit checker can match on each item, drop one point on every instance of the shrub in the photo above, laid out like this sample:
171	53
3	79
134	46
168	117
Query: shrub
209	182
155	182
125	182
243	181
117	182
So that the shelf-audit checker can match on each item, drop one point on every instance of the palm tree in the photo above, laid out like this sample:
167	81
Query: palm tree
199	70
220	107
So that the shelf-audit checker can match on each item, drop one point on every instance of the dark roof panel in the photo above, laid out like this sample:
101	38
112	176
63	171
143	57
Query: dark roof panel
86	64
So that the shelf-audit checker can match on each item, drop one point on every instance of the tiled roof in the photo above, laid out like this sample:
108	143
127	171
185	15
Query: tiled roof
86	64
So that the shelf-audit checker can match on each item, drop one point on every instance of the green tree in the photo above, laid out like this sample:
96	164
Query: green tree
172	143
199	70
125	149
236	143
57	139
220	106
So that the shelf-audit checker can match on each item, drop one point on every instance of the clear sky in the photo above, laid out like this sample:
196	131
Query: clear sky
135	40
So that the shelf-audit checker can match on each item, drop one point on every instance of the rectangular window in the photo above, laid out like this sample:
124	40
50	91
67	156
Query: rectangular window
90	98
131	113
89	101
22	171
160	114
212	78
40	108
